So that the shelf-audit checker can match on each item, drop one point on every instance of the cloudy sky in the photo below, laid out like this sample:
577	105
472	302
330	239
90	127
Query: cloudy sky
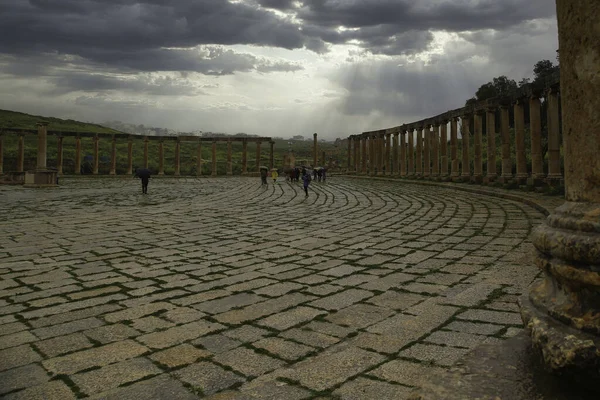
267	67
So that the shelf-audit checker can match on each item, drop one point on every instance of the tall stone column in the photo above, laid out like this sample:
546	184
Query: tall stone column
427	151
356	153
372	155
42	137
199	161
380	152
177	157
454	147
435	153
229	163
363	160
349	155
411	152
214	157
505	134
386	162
258	156
96	154
490	114
20	154
402	153
444	148
59	154
145	151
395	168
323	159
271	155
161	157
466	136
419	166
478	148
113	156
77	155
535	128
554	174
1	154
244	156
562	313
521	157
129	155
315	149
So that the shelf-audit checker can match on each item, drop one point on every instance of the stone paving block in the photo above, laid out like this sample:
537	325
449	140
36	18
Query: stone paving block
150	324
329	329
473	295
160	387
138	312
474	328
248	362
74	315
273	390
217	343
427	288
458	339
388	343
93	293
63	344
207	377
180	355
444	356
324	289
181	315
377	259
497	317
290	318
227	303
67	328
253	284
247	333
441	278
201	297
342	299
317	373
341	270
114	375
314	339
94	357
8	328
22	377
17	356
72	306
16	339
397	300
111	333
405	372
263	309
279	289
53	390
179	334
283	348
359	315
416	257
369	389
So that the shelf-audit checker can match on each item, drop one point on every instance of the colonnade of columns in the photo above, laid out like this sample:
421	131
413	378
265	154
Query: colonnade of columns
42	153
420	149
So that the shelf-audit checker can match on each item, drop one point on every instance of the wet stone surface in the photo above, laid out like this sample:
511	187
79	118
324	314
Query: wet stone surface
222	289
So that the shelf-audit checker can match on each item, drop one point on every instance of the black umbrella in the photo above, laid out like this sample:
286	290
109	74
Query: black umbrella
143	173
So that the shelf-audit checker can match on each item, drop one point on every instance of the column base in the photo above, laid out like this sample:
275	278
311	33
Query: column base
489	179
477	179
41	178
535	181
507	179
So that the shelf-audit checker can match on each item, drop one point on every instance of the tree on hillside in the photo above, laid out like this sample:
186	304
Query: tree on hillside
498	87
542	70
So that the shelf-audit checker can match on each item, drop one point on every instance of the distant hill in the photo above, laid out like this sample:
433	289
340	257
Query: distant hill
19	120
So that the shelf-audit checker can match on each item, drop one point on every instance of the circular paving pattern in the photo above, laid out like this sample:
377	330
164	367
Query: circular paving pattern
223	289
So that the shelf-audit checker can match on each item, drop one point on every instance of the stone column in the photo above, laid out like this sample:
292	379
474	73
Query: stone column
244	156
229	163
21	154
356	154
554	174
161	157
402	153
419	166
199	162
77	155
373	155
315	149
323	159
444	148
380	152
177	157
505	134
535	128
386	162
145	151
113	156
465	134
427	151
349	154
42	137
129	156
478	148
214	157
411	152
1	154
395	169
59	154
363	160
490	123
271	155
435	153
258	156
521	158
454	147
562	313
96	154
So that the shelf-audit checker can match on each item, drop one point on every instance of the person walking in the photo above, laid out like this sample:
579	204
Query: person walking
263	176
306	179
274	175
144	175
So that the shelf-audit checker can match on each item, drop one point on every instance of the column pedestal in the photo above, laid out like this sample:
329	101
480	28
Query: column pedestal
41	176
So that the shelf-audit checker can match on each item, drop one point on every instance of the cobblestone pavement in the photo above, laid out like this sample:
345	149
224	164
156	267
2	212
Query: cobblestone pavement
221	289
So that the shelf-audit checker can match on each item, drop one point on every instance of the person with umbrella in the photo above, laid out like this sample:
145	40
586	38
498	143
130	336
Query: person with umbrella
144	175
263	175
274	175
